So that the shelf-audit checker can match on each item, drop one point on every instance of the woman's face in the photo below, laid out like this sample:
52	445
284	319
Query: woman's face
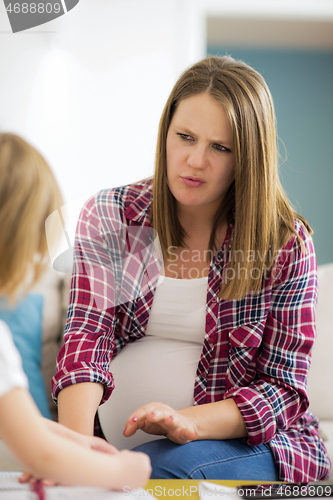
200	157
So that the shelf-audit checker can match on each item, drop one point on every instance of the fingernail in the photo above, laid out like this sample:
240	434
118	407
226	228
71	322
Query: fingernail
171	417
134	419
152	413
48	482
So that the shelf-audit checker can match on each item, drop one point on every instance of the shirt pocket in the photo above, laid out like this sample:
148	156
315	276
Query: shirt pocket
246	337
250	310
244	347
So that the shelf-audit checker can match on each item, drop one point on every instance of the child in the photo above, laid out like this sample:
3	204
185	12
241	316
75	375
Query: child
28	194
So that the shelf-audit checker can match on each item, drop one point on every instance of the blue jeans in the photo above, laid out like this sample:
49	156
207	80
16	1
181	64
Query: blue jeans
229	459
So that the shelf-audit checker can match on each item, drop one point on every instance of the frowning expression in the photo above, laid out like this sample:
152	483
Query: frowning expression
200	158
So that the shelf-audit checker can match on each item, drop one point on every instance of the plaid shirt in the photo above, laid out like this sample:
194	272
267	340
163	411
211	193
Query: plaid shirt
256	350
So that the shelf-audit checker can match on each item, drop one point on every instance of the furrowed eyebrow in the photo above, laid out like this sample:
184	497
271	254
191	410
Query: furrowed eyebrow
186	131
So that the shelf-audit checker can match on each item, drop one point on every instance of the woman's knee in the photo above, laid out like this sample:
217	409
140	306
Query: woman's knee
169	460
231	459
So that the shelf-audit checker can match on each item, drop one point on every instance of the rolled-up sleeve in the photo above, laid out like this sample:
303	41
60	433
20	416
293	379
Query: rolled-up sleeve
277	397
89	338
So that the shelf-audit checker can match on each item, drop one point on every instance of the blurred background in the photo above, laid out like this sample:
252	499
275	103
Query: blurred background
88	88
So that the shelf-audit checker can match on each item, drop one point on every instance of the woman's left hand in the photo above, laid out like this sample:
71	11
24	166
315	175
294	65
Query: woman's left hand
161	419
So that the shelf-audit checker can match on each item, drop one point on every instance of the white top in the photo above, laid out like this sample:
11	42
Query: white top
162	365
179	309
11	371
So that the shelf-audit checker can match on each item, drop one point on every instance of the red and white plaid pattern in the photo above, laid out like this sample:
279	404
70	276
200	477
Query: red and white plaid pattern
256	350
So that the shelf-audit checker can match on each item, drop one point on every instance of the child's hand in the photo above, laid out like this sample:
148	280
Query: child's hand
135	469
27	477
95	443
92	442
161	419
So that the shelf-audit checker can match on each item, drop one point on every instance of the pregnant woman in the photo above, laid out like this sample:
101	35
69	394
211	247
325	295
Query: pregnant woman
192	306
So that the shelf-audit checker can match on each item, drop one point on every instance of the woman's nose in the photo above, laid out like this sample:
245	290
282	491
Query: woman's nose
197	157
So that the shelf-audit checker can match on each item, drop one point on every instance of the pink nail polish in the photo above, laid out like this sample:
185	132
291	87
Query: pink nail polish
171	417
152	413
134	419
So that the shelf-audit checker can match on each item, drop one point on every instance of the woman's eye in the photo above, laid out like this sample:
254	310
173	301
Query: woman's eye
219	147
185	137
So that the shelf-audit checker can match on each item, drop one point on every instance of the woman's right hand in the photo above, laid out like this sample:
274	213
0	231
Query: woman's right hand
161	419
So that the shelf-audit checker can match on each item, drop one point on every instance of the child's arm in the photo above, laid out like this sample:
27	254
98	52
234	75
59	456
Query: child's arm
95	443
47	451
91	442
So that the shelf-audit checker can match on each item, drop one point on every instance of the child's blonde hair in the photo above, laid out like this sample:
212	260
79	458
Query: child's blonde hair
29	193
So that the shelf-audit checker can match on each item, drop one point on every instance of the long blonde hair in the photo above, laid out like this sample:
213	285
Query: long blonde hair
255	203
28	194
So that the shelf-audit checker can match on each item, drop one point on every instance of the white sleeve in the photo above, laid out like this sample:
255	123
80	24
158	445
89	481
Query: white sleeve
11	371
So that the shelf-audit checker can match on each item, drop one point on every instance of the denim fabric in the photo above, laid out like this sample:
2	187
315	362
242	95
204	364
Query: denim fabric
228	459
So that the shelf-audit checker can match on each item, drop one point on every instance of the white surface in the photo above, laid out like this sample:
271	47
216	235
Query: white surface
10	489
97	78
326	430
11	370
287	9
179	309
320	382
95	84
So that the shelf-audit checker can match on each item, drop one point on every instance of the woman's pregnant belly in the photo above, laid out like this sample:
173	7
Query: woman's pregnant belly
148	370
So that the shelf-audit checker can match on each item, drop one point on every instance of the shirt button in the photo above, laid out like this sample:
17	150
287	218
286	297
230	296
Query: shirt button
203	375
214	300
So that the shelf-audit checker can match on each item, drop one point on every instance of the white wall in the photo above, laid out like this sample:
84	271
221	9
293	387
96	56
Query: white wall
89	87
287	9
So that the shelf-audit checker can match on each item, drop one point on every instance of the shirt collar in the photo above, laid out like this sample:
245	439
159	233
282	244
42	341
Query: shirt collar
139	209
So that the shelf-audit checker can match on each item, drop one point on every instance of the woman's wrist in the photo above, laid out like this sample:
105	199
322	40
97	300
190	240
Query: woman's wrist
219	420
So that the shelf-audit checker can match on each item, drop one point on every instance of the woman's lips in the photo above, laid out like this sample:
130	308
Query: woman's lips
189	181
